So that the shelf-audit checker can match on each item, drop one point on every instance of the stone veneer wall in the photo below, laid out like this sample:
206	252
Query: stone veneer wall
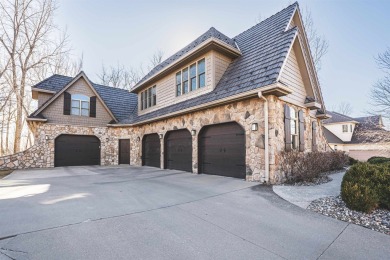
243	112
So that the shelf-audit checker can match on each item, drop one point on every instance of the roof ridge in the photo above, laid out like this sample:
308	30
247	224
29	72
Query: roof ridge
268	18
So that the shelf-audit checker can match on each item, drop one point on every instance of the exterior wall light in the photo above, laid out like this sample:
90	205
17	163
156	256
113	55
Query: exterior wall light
138	139
255	127
161	136
46	137
193	132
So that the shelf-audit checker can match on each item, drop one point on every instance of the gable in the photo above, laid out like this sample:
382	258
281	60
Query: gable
295	76
304	58
54	111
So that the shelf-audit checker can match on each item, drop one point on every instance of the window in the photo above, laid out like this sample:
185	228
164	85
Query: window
80	105
148	98
201	73
294	128
345	128
191	78
178	83
185	81
350	128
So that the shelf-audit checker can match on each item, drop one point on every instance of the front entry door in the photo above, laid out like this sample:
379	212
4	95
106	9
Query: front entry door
124	151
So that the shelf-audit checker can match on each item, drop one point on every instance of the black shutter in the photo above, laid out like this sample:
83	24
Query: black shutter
314	135
301	131
92	107
287	127
67	102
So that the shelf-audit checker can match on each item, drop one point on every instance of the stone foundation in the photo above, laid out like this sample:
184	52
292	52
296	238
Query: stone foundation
245	113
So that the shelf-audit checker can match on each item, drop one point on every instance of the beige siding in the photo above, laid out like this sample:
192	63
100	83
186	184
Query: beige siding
55	111
221	63
43	97
292	77
216	64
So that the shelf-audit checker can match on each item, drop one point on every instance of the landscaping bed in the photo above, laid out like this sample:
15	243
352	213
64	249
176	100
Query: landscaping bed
378	220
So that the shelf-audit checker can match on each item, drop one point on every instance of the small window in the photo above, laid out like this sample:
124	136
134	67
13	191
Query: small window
80	105
350	127
345	128
193	77
154	96
148	98
294	128
185	81
201	74
178	83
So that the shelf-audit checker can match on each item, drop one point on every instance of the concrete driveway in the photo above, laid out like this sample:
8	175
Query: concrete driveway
148	213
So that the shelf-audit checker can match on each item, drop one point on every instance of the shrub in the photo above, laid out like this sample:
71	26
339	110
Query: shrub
352	161
378	160
366	186
298	166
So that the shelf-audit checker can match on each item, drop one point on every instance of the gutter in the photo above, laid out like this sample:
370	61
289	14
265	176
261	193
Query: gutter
266	137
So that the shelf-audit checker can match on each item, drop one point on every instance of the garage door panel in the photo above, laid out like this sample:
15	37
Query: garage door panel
76	150
151	150
178	150
222	150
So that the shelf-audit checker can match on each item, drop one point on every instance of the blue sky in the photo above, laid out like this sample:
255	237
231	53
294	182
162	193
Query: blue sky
129	32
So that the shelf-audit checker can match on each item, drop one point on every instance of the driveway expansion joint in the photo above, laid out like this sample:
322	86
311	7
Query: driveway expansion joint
342	231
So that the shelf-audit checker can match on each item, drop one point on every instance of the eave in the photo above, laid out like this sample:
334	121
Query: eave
36	119
323	116
313	105
35	91
208	45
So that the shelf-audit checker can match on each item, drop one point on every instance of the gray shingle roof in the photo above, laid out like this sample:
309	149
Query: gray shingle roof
330	137
264	47
121	102
211	33
337	118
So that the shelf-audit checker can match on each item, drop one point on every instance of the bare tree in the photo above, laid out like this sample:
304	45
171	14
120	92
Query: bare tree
344	108
318	44
380	92
27	44
121	77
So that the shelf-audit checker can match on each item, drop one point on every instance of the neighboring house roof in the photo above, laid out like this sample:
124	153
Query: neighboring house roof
368	129
211	33
264	48
338	118
121	102
330	137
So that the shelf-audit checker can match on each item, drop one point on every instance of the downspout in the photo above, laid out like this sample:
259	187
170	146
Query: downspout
266	136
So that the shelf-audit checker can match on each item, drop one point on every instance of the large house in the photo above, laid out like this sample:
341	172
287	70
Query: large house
360	137
221	105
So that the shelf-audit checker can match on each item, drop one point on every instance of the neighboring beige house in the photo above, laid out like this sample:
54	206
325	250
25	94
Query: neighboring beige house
361	137
221	105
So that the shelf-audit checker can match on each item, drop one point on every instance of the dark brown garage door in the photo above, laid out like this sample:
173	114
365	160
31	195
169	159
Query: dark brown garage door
151	150
222	150
178	150
77	150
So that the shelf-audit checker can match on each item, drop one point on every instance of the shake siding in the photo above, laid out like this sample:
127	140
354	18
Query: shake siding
55	111
216	65
43	97
291	76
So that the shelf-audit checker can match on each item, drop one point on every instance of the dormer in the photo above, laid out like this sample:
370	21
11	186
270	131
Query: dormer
341	126
191	72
